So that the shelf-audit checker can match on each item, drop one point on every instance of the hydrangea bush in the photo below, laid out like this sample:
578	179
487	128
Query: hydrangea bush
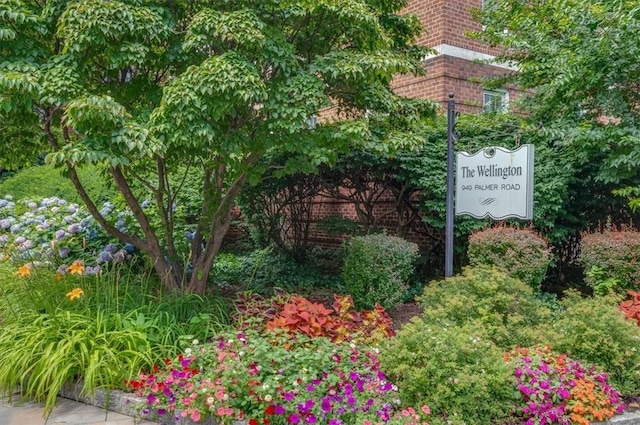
56	232
273	378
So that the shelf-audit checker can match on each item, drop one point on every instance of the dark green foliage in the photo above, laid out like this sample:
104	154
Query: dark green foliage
518	252
503	306
595	330
456	369
278	211
578	60
376	269
612	255
44	181
554	166
263	270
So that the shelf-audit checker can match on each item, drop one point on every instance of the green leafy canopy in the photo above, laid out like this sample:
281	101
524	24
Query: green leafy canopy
149	90
579	60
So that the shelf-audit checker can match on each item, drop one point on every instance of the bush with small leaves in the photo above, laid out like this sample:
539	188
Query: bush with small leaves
376	269
521	253
457	369
596	331
613	255
504	306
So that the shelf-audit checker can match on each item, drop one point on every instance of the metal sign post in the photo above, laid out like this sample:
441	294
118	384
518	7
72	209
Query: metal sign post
448	252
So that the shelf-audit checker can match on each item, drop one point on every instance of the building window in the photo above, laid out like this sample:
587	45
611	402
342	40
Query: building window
495	100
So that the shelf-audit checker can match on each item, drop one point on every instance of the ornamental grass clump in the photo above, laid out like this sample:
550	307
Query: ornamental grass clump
273	378
556	389
520	253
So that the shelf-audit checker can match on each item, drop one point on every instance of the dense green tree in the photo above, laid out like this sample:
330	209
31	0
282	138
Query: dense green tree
580	60
147	89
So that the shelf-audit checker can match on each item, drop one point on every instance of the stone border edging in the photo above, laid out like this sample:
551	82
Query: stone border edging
130	405
126	404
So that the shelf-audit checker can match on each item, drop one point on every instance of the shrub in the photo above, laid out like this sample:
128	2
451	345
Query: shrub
53	230
263	270
594	330
557	389
518	252
504	306
457	369
616	255
44	181
376	269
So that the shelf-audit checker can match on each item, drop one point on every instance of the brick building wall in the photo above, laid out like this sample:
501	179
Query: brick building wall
454	66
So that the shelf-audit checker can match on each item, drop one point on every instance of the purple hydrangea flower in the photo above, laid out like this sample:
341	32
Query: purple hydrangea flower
64	252
120	256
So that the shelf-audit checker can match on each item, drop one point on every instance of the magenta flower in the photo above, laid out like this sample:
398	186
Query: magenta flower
293	418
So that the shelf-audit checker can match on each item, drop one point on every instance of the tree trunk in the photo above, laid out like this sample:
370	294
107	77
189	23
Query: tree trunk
203	264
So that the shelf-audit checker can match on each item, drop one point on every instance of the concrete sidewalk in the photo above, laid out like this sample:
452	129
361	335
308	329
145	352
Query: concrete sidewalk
67	412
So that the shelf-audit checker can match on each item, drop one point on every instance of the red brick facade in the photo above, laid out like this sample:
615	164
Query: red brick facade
454	67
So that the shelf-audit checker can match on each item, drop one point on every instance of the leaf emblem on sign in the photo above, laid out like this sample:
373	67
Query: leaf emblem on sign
488	201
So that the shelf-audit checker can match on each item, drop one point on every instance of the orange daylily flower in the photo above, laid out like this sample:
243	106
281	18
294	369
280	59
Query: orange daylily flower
76	267
24	271
75	293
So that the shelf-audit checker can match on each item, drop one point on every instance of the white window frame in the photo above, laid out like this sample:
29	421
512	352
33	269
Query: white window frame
489	105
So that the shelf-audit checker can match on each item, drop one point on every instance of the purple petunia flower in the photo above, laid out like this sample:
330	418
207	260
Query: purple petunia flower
293	418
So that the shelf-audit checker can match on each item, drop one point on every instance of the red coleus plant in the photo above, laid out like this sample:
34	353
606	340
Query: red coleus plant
340	324
631	308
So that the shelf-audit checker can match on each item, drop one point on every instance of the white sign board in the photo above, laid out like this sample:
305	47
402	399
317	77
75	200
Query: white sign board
495	182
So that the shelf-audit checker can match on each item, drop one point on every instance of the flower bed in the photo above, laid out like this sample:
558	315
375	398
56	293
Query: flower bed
273	378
